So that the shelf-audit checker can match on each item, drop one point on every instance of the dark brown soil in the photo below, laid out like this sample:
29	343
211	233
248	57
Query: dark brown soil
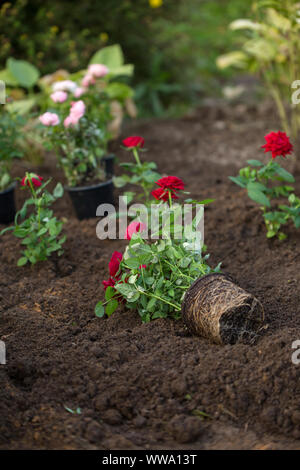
146	385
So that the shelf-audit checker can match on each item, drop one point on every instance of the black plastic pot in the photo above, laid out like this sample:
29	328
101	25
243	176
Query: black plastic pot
7	205
108	162
86	199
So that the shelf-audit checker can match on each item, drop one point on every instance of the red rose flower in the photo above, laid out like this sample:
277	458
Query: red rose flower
134	141
171	182
142	266
110	283
36	181
163	194
134	227
114	263
168	184
278	143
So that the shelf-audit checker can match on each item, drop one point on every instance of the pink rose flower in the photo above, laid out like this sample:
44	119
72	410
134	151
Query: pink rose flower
88	80
68	121
59	96
98	70
134	227
77	109
79	91
76	112
49	119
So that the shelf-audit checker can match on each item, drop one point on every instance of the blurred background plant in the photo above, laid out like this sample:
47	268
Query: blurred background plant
173	43
10	148
270	48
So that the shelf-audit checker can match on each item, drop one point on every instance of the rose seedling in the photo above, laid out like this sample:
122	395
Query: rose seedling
141	174
40	230
266	183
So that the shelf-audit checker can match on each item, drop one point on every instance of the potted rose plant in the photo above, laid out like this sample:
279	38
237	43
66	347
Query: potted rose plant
106	98
9	134
80	144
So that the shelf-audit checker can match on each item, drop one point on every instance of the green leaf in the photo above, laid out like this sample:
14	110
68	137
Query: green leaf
297	221
120	181
259	197
132	279
127	70
27	241
151	304
255	186
99	309
22	261
255	163
159	315
184	262
282	236
7	77
133	263
25	73
41	232
113	58
20	232
110	292
134	297
126	290
151	176
238	180
21	106
285	175
119	91
205	201
111	307
58	191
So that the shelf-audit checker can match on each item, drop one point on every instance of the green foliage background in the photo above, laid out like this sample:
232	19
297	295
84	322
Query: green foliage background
173	47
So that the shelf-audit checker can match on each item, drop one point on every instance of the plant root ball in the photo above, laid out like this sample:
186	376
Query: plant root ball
218	309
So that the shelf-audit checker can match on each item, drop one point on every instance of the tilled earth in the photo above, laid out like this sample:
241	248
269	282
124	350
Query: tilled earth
145	386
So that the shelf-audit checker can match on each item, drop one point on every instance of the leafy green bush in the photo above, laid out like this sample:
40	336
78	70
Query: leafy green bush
270	48
10	132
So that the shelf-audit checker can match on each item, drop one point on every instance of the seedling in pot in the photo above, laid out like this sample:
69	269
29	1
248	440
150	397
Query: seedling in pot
40	230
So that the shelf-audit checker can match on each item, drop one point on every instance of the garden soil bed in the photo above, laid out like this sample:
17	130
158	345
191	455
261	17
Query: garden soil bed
145	386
